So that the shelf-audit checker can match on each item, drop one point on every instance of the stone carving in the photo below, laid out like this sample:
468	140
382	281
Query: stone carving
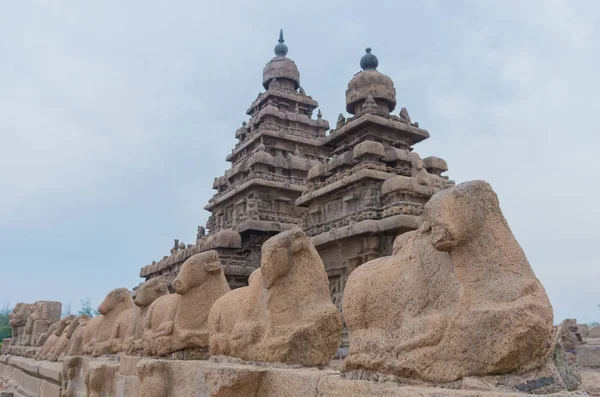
158	325
90	334
129	331
75	333
200	283
274	85
369	105
116	302
51	337
61	348
340	121
17	321
569	334
404	116
285	314
178	322
461	270
201	233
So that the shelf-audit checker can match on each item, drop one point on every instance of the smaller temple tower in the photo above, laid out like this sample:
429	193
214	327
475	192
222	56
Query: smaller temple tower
373	186
255	198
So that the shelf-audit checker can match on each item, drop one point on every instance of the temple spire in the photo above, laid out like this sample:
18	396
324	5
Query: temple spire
281	49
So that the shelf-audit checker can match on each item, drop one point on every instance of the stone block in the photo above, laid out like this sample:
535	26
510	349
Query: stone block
588	355
127	386
49	389
128	365
31	384
291	382
51	370
28	365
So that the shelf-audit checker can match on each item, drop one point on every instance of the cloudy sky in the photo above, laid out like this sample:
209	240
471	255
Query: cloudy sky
115	117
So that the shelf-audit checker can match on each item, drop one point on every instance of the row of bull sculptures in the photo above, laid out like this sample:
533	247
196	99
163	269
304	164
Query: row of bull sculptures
456	298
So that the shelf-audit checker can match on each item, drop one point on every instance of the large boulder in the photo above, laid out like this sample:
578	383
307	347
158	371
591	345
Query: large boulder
457	298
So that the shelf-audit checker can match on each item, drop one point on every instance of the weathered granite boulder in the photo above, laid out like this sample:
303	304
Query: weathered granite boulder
457	298
285	314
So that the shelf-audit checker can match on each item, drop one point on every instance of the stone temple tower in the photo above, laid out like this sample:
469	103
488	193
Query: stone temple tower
373	186
255	198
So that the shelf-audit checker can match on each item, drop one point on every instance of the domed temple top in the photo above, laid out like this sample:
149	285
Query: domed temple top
369	61
281	68
370	82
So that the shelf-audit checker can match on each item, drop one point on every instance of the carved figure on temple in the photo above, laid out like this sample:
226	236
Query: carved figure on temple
285	314
369	105
404	116
42	314
252	204
340	121
274	85
201	233
116	302
461	270
569	334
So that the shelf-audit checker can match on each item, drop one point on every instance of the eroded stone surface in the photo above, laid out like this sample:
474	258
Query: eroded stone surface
285	314
457	298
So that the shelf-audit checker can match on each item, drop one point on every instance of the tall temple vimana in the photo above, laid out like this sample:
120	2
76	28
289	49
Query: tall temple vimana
335	262
289	169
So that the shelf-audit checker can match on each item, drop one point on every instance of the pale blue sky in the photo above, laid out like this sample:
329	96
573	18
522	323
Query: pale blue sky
115	117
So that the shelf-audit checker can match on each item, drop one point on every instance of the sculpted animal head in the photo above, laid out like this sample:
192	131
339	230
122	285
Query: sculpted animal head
79	321
196	270
19	314
114	299
150	291
63	323
458	214
278	254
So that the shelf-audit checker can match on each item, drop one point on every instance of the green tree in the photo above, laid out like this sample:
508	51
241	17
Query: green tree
5	330
86	308
66	309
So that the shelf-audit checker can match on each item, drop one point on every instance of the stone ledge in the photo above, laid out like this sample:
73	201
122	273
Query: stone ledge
208	378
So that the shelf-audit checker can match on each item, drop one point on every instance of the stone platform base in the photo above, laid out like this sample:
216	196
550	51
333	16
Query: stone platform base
141	377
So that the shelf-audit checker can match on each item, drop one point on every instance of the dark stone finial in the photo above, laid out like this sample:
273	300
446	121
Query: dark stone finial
369	61
281	49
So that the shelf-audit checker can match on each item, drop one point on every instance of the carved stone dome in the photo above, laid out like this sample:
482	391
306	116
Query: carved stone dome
370	82
281	67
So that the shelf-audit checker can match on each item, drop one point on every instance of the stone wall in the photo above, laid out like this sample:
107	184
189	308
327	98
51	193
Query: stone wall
75	378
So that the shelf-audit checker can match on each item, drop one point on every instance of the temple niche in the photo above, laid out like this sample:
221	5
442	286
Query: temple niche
373	186
255	198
